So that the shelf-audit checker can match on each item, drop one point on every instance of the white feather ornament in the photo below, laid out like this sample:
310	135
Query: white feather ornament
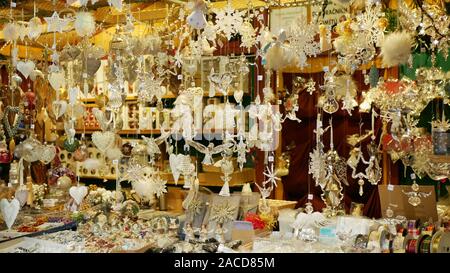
84	24
11	32
280	56
113	154
396	48
92	164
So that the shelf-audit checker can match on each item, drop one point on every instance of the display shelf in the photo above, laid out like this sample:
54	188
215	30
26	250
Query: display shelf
439	158
207	179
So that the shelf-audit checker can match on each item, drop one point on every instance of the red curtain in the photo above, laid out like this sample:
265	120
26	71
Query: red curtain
298	181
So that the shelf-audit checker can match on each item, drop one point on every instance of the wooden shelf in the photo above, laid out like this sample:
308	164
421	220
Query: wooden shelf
206	179
124	132
169	96
439	158
148	132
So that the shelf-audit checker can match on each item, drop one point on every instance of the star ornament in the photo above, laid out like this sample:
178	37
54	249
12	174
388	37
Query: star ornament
55	23
443	124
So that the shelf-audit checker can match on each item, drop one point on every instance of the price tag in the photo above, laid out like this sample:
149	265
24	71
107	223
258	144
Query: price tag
270	158
115	161
260	77
13	4
310	197
32	126
390	187
180	77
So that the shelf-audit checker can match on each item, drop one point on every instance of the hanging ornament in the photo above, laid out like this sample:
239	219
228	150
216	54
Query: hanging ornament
197	18
84	24
34	28
415	195
55	23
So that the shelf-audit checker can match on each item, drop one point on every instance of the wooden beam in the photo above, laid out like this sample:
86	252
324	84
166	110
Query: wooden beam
34	53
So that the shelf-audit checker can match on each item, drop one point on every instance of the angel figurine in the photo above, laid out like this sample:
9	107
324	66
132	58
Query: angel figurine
197	18
188	232
204	233
153	143
219	233
209	150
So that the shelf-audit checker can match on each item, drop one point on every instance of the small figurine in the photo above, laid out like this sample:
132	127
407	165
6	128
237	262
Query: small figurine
220	233
188	232
204	233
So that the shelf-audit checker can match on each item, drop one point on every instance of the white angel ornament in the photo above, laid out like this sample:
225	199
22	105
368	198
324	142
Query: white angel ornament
153	143
209	150
197	18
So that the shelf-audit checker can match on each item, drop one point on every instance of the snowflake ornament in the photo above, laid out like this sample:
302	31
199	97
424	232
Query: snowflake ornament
229	21
302	40
248	35
158	185
271	176
368	22
223	213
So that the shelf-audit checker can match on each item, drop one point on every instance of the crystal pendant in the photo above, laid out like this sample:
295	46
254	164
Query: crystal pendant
361	184
414	201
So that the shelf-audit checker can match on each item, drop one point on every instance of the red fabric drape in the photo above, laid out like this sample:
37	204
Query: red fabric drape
298	181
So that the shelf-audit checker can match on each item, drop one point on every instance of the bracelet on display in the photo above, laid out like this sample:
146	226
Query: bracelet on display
425	244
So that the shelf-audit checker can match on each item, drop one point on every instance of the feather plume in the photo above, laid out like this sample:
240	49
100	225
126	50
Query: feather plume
396	48
84	24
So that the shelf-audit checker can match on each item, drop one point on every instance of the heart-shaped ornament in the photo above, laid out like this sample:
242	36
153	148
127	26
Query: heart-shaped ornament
12	130
238	94
103	140
47	153
34	28
25	68
78	193
71	145
59	108
22	196
174	162
92	66
57	80
9	211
